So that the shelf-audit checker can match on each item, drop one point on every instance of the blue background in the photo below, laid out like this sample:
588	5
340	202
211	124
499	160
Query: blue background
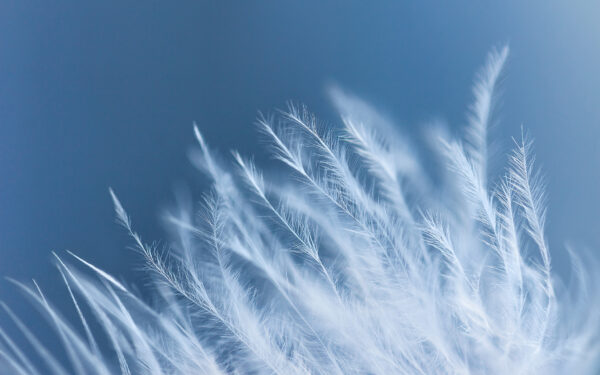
99	94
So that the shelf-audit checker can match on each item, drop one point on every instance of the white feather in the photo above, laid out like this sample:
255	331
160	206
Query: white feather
354	264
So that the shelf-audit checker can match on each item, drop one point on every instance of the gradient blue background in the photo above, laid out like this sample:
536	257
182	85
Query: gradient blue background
98	94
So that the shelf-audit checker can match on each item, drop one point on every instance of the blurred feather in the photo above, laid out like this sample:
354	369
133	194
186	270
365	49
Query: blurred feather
356	265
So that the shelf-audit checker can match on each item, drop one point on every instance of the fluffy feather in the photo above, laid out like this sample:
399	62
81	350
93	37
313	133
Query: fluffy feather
356	264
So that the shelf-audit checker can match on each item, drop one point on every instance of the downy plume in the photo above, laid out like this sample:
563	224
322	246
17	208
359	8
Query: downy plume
350	261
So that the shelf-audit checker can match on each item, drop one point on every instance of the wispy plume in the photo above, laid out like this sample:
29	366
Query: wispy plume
349	262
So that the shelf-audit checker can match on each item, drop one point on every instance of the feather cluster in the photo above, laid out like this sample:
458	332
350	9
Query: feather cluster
352	259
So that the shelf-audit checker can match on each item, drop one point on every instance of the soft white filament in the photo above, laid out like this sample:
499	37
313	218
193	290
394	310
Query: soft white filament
350	262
